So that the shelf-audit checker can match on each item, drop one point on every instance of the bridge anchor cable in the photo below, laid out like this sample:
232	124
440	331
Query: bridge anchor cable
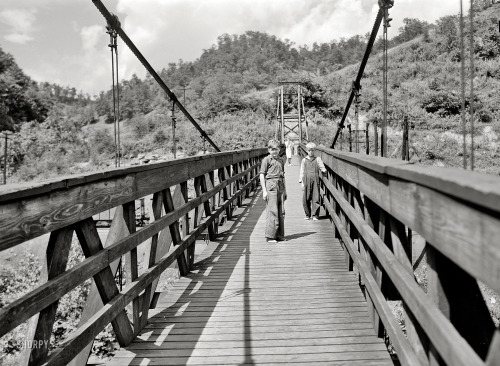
357	82
116	96
114	22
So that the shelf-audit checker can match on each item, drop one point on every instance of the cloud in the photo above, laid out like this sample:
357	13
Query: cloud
91	36
94	62
73	46
20	22
18	38
168	31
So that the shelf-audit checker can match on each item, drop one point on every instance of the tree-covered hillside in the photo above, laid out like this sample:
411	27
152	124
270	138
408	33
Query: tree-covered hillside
231	89
424	84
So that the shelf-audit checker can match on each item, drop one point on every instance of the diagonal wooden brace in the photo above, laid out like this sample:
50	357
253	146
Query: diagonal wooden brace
104	280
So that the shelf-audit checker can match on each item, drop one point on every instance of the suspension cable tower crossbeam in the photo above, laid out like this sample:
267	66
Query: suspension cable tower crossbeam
115	24
357	82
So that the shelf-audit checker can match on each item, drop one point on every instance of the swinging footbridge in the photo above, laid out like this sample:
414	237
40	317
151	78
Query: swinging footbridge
342	290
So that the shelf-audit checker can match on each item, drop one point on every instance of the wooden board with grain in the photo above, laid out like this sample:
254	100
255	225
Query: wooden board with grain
251	302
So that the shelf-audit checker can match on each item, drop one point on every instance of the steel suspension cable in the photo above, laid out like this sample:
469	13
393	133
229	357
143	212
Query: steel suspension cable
112	35
174	145
116	121
115	23
471	103
462	77
118	144
383	137
361	70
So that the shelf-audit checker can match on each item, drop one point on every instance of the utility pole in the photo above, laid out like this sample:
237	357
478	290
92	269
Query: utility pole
174	145
356	117
5	158
471	25
462	84
184	94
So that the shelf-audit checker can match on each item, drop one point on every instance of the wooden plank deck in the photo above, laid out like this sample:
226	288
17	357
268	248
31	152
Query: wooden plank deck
252	302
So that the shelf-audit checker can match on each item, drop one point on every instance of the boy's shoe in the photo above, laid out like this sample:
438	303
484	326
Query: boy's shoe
315	218
307	218
280	238
269	240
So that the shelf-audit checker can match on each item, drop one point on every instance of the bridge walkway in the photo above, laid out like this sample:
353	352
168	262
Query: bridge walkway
251	302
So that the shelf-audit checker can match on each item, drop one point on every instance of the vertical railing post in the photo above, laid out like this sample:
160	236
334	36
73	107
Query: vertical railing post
245	179
148	293
367	138
299	113
351	229
132	263
458	296
225	195
237	184
372	218
350	137
208	209
168	203
185	228
363	251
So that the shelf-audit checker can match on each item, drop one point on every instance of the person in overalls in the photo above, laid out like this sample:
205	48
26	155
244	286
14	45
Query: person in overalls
272	181
309	177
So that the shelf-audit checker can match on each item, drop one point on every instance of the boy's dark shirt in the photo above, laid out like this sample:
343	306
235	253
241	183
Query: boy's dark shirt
272	168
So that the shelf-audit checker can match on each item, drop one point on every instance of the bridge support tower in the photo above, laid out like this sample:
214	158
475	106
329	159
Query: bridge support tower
291	121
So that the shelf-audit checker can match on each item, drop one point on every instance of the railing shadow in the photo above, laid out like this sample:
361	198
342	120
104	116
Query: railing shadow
177	337
299	235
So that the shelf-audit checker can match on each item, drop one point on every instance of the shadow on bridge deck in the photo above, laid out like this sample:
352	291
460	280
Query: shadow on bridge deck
252	302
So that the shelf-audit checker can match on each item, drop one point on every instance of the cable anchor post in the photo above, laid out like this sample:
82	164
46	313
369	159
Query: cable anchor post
174	120
204	144
385	5
113	45
356	88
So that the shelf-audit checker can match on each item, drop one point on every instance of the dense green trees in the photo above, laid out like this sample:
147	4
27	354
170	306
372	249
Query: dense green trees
233	86
411	29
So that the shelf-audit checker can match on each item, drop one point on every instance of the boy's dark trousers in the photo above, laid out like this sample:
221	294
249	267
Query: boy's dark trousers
275	221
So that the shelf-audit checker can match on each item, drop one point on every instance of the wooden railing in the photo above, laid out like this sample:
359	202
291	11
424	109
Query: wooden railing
378	206
65	207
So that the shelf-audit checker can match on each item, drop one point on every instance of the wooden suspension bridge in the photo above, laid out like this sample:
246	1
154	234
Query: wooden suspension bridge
338	291
322	296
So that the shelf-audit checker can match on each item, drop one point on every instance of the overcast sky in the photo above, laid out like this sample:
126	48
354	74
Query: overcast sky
64	41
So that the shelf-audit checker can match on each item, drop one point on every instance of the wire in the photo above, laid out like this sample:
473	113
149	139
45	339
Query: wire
383	142
471	103
118	145
112	40
462	76
368	50
114	22
174	146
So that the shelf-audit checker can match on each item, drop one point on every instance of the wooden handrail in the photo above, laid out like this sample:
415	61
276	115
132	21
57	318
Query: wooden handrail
66	206
375	205
47	206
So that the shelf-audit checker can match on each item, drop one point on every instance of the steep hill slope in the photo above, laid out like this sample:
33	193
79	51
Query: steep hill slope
230	90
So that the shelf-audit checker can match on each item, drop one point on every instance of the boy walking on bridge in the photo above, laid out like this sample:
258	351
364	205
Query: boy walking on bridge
309	177
272	181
